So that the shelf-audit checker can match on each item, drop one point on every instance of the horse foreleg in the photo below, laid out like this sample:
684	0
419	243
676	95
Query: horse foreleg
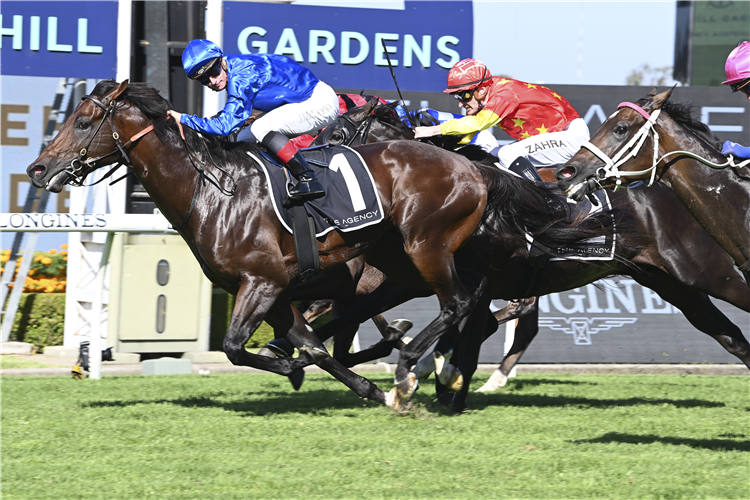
284	316
254	299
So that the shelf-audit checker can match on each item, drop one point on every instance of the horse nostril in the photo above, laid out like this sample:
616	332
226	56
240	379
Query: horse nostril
38	170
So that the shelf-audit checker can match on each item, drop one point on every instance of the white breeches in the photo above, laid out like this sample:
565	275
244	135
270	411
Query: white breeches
297	118
546	150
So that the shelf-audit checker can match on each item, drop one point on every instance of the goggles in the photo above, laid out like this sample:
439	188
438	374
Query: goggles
210	69
464	95
737	86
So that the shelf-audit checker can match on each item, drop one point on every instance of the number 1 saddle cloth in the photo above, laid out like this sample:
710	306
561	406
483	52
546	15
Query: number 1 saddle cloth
351	201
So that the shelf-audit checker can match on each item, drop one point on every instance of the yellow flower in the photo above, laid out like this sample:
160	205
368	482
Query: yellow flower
46	261
52	250
64	252
64	246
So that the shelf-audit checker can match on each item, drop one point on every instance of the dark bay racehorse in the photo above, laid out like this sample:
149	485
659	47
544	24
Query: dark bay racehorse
684	159
669	239
218	200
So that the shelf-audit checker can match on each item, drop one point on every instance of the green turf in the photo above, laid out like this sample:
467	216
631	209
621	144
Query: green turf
251	436
8	362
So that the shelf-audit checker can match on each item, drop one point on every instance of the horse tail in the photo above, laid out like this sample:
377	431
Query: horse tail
517	207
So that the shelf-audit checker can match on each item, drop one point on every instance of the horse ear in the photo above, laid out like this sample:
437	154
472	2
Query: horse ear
653	92
364	111
119	90
658	100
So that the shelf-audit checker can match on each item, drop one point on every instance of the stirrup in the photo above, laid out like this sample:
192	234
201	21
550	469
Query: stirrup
307	190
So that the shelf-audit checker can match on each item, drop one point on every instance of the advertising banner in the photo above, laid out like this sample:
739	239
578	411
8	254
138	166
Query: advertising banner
344	46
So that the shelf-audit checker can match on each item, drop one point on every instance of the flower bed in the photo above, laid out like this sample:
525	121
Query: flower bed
47	273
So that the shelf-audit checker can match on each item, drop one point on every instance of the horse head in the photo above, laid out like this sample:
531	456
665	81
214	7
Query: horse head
348	127
614	151
78	149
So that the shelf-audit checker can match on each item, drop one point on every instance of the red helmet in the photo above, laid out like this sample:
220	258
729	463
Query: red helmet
466	75
737	67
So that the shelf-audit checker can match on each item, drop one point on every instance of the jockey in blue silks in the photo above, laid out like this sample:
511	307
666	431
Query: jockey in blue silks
292	99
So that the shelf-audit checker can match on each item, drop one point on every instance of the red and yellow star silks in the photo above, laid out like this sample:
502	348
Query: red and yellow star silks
521	109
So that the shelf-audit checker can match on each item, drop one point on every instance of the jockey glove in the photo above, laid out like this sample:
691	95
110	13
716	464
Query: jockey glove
735	149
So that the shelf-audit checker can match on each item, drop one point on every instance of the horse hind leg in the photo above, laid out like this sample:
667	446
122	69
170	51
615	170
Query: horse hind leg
526	330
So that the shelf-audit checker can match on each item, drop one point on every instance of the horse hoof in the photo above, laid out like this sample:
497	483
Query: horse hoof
407	387
447	374
316	355
402	325
281	347
424	368
265	351
392	401
296	378
495	382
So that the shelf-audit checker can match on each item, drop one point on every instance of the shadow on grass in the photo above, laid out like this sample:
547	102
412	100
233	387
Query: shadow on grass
256	403
708	444
520	384
478	401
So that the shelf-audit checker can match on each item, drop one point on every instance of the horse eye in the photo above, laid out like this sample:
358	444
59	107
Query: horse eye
621	130
83	125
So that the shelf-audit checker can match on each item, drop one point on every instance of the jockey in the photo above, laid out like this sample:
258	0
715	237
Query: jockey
293	100
737	70
548	129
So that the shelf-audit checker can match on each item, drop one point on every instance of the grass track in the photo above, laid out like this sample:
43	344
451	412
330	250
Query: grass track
251	436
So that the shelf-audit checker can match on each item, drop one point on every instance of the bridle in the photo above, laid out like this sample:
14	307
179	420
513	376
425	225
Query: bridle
76	167
360	130
612	165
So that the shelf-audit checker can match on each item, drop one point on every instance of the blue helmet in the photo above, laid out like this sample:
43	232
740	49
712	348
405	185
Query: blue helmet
198	54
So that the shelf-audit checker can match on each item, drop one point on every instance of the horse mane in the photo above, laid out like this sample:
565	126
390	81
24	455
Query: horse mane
148	100
682	113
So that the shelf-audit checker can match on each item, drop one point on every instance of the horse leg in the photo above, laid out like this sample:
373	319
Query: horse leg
475	331
284	316
254	299
456	304
526	329
700	312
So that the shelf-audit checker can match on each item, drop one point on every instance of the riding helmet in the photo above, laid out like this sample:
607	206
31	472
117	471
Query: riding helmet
738	64
198	54
467	74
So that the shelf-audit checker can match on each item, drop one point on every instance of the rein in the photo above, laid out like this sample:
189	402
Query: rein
611	168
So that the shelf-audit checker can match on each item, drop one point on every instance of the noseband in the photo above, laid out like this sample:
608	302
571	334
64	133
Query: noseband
612	165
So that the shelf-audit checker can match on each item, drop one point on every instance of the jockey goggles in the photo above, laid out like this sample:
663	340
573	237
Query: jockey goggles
740	85
464	95
208	70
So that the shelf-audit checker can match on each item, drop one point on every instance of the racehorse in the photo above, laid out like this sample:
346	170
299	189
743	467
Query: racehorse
686	159
671	241
218	200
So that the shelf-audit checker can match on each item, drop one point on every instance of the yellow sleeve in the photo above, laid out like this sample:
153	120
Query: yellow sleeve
469	124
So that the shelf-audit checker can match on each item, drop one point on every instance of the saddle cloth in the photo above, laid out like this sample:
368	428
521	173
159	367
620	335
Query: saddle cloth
601	248
351	201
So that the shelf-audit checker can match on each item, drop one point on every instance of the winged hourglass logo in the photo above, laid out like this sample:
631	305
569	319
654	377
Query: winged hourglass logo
583	328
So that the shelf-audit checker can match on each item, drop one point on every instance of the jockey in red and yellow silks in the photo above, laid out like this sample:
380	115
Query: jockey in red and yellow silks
549	131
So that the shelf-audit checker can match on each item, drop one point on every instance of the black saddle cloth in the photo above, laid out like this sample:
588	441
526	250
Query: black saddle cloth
351	201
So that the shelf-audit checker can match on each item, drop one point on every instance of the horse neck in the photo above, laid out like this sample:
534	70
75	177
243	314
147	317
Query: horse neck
165	171
716	197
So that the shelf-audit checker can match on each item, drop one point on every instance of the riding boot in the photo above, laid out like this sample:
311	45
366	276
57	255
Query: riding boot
307	187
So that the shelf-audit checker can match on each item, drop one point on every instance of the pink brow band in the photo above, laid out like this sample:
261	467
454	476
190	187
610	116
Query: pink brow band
630	105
